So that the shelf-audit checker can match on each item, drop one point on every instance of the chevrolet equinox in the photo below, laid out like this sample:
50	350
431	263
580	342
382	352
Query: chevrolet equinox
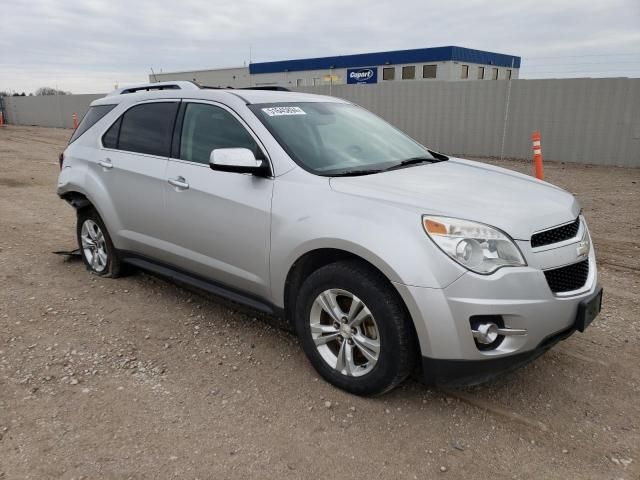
382	254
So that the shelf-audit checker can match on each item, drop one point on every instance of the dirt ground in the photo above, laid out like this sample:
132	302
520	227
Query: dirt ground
139	378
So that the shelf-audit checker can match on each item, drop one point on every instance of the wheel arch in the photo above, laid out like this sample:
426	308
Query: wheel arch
92	194
312	260
77	200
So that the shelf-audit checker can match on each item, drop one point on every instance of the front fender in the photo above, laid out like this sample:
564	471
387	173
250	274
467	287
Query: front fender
309	215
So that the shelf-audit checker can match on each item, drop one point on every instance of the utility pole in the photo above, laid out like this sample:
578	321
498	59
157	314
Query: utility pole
330	80
506	112
250	83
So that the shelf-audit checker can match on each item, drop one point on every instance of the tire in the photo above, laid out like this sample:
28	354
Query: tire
369	316
96	249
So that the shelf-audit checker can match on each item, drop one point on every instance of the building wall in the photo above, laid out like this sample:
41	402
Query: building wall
323	77
226	77
240	77
450	71
361	60
591	121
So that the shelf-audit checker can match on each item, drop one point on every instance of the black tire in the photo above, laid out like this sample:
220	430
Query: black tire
113	267
398	345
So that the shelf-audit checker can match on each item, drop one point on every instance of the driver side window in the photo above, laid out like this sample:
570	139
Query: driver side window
207	127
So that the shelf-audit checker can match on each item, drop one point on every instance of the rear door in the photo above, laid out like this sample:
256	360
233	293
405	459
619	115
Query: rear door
219	222
133	168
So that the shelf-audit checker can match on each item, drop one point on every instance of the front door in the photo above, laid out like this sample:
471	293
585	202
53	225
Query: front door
218	222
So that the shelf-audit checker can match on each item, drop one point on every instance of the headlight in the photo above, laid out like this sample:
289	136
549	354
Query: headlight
476	246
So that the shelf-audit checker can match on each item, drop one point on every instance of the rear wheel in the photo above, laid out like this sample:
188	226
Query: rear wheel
354	328
98	253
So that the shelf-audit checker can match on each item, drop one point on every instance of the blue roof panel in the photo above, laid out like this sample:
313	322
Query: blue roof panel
419	55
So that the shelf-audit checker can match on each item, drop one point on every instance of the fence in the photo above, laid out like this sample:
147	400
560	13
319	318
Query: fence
48	110
592	121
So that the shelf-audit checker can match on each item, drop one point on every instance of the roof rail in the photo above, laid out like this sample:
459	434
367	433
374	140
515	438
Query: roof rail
184	85
146	87
274	88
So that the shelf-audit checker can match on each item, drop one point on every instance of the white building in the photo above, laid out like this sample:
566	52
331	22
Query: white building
424	64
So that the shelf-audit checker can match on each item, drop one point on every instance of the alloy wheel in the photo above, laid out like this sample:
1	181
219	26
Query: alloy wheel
345	332
94	246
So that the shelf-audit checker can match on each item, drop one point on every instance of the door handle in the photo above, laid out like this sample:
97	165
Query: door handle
106	164
179	182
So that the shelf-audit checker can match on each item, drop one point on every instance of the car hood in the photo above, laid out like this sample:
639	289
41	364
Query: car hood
515	203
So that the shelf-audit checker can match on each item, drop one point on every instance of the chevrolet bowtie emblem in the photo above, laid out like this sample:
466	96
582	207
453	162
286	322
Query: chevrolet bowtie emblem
583	248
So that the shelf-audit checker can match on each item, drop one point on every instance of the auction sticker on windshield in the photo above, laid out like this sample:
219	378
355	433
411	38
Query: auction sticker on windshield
277	111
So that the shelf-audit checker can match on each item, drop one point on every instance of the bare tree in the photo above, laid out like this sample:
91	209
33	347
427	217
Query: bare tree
50	91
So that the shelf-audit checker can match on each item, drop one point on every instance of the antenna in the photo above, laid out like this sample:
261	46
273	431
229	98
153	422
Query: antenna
155	79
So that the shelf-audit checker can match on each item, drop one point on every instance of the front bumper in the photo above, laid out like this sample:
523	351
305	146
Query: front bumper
472	372
519	295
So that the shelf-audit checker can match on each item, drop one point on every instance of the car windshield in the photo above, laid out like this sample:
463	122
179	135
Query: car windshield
329	138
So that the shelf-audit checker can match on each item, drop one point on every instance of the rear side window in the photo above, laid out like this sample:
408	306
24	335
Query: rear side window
146	128
206	128
90	119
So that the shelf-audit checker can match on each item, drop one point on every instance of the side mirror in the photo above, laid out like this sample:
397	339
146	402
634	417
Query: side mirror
238	160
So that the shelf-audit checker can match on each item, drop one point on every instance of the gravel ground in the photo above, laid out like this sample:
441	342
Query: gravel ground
139	378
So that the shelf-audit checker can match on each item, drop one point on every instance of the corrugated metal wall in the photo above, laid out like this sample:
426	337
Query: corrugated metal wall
47	111
595	121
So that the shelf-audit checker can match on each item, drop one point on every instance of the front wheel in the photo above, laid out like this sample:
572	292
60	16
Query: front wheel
354	328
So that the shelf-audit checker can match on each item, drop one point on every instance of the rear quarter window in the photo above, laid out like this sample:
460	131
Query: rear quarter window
93	115
110	138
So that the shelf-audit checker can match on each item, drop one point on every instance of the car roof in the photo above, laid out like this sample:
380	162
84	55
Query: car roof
183	89
270	96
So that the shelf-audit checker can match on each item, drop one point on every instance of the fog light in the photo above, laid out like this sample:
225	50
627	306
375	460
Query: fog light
489	331
486	333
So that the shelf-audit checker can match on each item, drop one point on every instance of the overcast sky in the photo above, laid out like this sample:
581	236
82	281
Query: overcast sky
87	46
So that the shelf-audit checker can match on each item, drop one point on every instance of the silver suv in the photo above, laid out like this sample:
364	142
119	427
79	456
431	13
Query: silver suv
382	254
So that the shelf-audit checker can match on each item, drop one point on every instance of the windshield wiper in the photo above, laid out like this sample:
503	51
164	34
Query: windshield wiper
412	161
355	173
